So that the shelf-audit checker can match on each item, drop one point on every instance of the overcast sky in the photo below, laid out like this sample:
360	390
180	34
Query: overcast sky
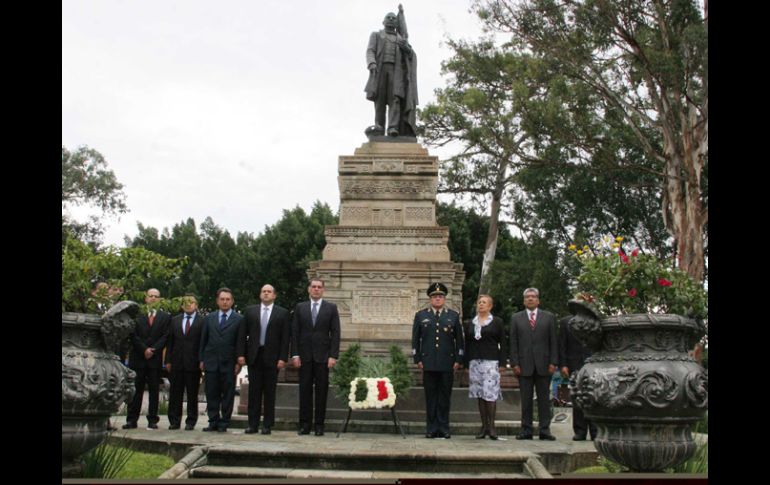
231	109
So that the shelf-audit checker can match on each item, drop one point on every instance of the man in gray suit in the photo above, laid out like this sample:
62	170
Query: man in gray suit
534	355
219	336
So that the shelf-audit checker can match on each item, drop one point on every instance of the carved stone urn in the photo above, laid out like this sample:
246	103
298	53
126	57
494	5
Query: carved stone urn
94	382
640	386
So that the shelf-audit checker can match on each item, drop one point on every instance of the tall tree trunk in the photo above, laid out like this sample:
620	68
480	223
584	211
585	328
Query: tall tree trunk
491	246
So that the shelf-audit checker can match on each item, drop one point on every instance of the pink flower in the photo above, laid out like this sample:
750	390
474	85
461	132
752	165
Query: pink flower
664	282
623	256
635	253
632	292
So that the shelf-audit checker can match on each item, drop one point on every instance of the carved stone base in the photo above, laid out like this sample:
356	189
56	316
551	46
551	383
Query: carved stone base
94	381
641	387
643	447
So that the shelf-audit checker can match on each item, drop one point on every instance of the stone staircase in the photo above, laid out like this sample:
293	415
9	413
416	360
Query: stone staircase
233	462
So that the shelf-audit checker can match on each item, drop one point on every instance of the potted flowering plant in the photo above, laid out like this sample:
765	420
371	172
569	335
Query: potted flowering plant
97	316
618	282
641	387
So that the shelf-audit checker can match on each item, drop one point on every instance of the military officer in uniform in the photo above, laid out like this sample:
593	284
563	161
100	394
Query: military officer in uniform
437	347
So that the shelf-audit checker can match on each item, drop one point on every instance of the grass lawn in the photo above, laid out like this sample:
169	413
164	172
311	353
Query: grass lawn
145	465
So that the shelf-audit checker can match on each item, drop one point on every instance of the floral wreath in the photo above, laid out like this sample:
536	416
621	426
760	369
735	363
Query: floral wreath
378	393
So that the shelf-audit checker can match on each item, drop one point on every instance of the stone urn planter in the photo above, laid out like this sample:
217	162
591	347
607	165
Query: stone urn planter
640	386
94	382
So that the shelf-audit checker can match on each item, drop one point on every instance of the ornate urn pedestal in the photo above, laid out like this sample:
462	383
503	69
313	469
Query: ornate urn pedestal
640	386
94	382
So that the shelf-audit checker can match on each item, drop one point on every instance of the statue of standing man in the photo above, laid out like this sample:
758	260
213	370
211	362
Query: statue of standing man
392	83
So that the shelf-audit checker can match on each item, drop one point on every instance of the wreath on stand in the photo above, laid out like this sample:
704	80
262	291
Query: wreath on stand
361	392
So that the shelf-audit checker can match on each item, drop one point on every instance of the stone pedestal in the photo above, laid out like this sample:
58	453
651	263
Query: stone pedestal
387	248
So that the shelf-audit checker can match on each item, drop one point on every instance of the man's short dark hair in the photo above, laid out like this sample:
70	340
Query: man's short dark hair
316	279
224	289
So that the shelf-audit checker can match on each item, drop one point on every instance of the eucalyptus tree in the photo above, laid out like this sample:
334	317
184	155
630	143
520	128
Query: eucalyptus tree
647	61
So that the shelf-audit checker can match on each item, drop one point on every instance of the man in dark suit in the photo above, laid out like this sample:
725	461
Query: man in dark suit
315	341
182	353
437	347
572	356
534	355
147	342
218	360
263	345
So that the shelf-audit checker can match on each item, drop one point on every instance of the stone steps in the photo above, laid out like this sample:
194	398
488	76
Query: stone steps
297	473
241	462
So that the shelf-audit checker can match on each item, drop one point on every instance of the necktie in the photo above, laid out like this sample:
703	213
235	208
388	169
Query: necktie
314	312
151	318
532	320
222	321
187	326
263	326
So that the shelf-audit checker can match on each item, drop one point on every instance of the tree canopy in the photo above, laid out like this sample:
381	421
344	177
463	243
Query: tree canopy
279	256
627	86
86	180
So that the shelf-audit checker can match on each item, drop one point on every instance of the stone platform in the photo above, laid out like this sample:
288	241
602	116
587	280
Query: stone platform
357	455
409	408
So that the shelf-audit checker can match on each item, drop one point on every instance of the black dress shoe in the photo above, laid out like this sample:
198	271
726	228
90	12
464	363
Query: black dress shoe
303	431
209	428
152	426
547	436
266	431
189	427
129	426
319	431
524	436
446	436
174	426
578	438
250	430
222	429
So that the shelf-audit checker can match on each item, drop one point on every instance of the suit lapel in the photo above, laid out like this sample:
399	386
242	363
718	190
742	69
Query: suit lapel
309	313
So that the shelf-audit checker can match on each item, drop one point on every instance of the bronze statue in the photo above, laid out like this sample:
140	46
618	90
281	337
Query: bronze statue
392	83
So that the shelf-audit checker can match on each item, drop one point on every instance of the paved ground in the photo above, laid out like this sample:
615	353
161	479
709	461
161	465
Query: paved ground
560	456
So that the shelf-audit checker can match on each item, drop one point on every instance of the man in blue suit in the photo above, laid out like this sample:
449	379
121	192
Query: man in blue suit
315	342
219	336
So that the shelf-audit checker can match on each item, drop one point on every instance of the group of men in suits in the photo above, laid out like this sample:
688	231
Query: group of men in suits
223	341
220	343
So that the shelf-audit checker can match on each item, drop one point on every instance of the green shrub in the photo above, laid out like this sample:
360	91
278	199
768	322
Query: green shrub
345	371
352	365
398	372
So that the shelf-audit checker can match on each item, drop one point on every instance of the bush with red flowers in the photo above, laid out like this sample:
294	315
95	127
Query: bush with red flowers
618	282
